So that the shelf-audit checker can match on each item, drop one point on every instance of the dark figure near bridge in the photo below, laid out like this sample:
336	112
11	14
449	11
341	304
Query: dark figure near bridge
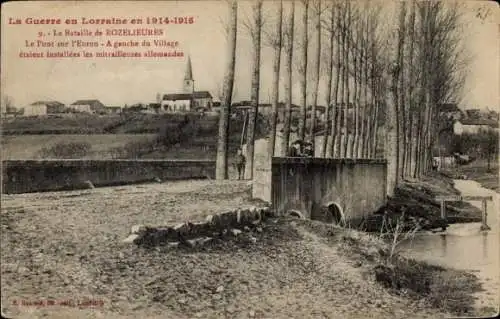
240	163
308	150
295	149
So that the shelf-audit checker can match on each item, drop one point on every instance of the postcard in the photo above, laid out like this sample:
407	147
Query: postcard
249	159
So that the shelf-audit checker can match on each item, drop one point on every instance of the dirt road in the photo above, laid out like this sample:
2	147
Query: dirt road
67	246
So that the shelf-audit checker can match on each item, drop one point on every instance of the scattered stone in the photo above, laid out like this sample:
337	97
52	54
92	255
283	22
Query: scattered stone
253	240
219	289
192	242
157	180
182	301
217	297
246	228
228	219
179	227
130	239
238	216
22	270
206	240
136	229
251	313
209	218
259	229
235	232
173	245
88	185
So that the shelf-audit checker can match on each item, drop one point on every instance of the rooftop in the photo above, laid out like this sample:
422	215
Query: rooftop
187	96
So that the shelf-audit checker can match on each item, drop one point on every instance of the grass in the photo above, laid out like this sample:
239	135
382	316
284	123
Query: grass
449	290
416	200
29	146
478	171
119	136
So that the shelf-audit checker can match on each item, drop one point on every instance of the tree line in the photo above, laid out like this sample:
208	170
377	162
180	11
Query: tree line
395	62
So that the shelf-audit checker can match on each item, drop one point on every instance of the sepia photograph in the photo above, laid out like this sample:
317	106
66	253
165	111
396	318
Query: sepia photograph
250	159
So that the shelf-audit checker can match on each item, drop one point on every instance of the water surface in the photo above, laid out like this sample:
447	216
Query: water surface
466	247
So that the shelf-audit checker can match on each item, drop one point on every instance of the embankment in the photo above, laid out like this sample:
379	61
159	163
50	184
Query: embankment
416	199
26	176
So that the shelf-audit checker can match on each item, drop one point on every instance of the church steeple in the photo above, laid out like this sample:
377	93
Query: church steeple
188	77
189	71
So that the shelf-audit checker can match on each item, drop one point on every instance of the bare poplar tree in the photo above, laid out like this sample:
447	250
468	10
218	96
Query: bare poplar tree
223	138
316	70
330	109
303	71
254	94
277	45
288	49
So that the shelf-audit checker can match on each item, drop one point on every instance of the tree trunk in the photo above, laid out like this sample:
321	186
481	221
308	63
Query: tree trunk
355	60
276	79
329	117
390	147
254	94
223	138
288	81
398	89
346	82
336	124
303	79
409	102
316	70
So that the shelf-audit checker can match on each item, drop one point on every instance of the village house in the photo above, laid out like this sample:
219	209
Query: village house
113	109
450	111
88	106
188	100
41	108
474	125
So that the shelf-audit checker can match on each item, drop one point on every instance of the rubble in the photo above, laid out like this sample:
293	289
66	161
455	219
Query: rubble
196	234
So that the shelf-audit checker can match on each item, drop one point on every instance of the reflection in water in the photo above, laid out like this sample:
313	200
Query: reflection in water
443	245
485	245
464	246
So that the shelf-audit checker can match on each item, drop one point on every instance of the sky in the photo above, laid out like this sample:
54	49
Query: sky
119	81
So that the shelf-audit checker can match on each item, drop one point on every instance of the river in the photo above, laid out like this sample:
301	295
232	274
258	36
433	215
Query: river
466	247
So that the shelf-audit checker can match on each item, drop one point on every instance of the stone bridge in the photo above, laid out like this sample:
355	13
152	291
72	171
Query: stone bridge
322	188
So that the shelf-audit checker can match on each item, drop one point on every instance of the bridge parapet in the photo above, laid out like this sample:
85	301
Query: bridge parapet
356	186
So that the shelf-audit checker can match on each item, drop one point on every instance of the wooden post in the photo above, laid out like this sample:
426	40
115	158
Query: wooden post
443	209
485	226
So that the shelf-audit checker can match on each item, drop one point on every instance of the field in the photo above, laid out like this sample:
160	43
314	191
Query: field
165	136
29	146
99	124
68	246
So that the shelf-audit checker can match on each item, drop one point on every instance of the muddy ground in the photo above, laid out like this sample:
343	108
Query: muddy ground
66	247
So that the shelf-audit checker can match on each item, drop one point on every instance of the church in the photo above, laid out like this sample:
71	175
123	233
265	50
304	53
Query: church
188	100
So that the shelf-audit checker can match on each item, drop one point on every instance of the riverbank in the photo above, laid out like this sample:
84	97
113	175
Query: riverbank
68	246
479	172
415	201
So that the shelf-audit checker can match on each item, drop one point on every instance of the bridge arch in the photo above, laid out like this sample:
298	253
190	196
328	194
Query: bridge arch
296	213
335	213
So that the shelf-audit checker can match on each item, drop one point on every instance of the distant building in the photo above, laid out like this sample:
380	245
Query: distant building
154	107
88	106
44	108
474	125
450	111
473	113
189	100
113	109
